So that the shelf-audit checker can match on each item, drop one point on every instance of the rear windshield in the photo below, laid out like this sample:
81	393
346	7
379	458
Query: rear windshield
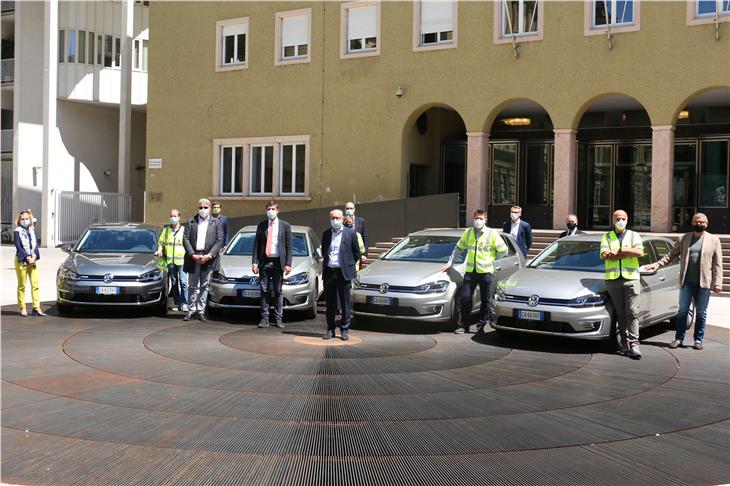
570	255
112	240
242	244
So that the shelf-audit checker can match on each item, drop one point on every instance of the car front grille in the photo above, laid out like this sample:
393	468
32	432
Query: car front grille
386	310
116	299
549	326
543	300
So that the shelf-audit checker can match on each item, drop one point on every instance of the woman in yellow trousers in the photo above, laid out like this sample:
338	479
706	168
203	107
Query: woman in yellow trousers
27	254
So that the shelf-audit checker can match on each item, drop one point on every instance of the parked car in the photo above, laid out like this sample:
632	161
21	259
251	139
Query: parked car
562	291
407	282
235	286
113	264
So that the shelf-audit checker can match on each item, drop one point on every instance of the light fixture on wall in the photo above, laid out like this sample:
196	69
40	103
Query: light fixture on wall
516	122
683	115
400	91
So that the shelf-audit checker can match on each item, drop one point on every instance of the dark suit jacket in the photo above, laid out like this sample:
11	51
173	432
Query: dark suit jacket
213	243
361	228
524	234
349	253
224	226
259	243
577	232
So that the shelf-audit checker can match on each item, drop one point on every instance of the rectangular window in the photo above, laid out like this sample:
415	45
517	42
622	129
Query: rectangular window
613	12
234	43
709	7
713	174
117	52
231	170
99	49
262	169
519	17
504	173
92	37
82	46
71	50
136	54
61	45
685	182
292	169
145	52
362	28
437	21
108	47
294	36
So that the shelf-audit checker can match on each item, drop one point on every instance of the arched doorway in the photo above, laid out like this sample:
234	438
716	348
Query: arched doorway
522	148
614	162
434	152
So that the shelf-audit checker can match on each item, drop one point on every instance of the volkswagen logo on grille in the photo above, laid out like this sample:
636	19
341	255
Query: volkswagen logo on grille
254	281
533	300
384	288
108	278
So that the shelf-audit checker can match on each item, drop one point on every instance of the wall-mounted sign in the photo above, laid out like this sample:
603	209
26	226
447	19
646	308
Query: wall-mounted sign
155	163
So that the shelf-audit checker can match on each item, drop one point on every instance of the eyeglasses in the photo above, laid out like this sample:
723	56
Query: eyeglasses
203	207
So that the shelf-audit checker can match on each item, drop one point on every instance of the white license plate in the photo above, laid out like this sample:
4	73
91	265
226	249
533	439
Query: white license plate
107	291
382	300
529	315
252	293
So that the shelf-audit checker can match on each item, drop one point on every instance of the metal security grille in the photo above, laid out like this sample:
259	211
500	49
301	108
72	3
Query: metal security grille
75	211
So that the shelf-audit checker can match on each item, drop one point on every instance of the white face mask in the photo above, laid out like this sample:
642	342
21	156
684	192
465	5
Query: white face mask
479	223
271	213
349	212
514	216
174	220
620	225
203	213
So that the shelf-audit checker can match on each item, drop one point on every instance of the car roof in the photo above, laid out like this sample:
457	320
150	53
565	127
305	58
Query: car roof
296	228
124	226
597	237
444	232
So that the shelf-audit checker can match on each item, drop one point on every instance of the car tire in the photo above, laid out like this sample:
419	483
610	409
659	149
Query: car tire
613	343
64	309
161	309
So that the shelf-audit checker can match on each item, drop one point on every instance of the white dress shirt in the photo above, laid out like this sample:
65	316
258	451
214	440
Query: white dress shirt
515	229
274	224
202	231
334	253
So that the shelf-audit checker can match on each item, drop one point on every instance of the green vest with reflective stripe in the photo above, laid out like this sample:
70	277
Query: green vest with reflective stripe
171	242
481	252
627	267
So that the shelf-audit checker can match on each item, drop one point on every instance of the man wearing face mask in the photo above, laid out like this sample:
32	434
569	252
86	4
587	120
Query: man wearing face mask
621	249
203	240
571	222
700	261
223	220
520	230
340	250
272	257
482	245
360	225
172	250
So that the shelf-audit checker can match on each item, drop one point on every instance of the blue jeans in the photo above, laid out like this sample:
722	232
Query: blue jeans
179	283
692	291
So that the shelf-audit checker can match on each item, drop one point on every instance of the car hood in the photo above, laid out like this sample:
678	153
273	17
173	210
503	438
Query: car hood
114	263
408	274
554	284
240	266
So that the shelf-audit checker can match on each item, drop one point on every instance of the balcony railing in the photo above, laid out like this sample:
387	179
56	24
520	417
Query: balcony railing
7	140
8	6
8	70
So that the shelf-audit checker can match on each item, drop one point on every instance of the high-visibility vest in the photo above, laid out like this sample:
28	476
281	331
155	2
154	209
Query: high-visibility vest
627	267
171	244
361	244
481	251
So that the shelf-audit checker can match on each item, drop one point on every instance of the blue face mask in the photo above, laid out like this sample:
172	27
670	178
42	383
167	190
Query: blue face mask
25	223
349	212
271	213
336	223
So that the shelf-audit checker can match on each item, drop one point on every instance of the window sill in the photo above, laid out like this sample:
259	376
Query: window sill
241	197
358	54
231	67
705	20
297	60
615	29
434	47
519	38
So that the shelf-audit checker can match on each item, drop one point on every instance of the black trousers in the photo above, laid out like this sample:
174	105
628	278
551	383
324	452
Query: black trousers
272	281
471	280
337	287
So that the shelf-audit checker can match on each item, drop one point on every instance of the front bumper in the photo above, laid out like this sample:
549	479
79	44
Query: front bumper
231	296
131	293
590	323
435	307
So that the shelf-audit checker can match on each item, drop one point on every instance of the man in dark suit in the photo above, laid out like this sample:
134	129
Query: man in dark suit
360	225
519	229
571	222
272	256
223	220
203	241
340	250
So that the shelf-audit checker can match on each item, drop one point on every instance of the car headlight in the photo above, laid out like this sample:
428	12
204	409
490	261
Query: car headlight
590	300
69	274
499	295
218	278
298	279
433	287
151	276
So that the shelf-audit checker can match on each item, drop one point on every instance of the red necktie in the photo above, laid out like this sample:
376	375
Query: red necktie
269	238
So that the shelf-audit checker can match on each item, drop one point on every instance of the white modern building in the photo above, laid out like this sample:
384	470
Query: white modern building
74	98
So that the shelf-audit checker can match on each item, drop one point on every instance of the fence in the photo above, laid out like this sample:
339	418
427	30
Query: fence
75	211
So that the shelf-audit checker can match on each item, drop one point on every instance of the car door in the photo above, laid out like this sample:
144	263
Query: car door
667	292
650	286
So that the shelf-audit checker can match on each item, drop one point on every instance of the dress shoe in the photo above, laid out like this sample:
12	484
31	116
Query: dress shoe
345	336
280	325
264	323
23	313
38	312
201	317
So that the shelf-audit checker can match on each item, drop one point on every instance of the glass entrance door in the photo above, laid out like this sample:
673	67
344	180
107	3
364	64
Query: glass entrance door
453	173
632	191
598	176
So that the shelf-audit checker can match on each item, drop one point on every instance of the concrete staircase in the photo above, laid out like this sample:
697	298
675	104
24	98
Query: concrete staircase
375	252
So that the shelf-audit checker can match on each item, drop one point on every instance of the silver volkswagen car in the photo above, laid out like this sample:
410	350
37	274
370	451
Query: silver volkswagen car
112	264
562	291
235	286
407	282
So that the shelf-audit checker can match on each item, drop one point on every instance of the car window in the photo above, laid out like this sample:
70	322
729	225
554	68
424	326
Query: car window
299	245
570	255
113	240
648	255
661	248
510	246
425	248
242	244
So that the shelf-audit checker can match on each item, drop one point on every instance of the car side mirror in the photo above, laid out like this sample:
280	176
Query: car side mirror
66	248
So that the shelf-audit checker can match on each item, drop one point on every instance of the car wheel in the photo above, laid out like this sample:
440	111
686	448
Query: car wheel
614	339
161	309
64	309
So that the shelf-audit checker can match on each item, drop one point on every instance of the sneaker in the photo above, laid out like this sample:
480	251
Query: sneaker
623	350
173	309
675	344
184	308
345	336
202	317
188	317
264	323
698	345
328	335
459	330
280	325
634	351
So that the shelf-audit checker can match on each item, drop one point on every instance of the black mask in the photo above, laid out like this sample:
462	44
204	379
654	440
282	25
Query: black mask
571	226
698	228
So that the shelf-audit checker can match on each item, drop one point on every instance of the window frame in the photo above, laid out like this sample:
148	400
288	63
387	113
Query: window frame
220	66
345	52
591	29
233	172
279	59
695	18
293	192
262	162
438	45
501	38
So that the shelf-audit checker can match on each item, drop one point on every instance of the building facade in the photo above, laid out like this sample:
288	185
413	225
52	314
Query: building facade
74	98
559	107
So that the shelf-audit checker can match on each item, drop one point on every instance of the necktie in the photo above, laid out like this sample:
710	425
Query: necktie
269	238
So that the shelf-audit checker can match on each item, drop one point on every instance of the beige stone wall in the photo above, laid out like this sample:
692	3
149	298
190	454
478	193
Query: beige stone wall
349	107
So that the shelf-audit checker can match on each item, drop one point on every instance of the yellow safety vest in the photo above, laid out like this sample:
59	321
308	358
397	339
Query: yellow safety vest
481	252
171	243
627	267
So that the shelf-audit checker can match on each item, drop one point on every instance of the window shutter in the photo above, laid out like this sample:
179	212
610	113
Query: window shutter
235	29
361	22
295	30
437	16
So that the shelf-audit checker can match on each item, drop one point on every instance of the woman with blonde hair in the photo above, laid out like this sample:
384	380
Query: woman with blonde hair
27	254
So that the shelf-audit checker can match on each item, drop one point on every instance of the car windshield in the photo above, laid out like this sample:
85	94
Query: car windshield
425	248
570	255
113	240
242	244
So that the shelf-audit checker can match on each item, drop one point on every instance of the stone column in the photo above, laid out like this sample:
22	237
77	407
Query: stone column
50	99
125	97
662	177
564	176
477	172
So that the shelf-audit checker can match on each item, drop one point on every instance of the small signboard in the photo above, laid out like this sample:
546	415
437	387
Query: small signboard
155	163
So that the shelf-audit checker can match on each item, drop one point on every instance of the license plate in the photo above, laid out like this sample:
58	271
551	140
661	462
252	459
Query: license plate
382	300
530	315
252	293
107	291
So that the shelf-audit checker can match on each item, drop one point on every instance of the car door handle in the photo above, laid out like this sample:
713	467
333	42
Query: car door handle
516	264
662	278
498	268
